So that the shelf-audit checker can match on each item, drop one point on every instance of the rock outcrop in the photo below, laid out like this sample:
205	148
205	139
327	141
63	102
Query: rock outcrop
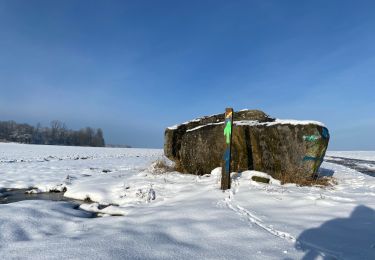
288	150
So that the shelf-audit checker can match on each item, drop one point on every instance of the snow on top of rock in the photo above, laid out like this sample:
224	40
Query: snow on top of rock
251	123
280	122
174	127
295	122
246	122
255	122
195	128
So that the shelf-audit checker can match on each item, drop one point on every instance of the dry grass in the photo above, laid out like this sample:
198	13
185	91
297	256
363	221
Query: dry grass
162	166
319	181
178	167
298	176
302	180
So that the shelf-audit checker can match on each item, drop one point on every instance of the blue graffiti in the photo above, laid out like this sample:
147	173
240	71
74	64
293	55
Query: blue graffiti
311	138
311	158
325	133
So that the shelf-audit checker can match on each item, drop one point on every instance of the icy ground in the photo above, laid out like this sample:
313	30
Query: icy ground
177	216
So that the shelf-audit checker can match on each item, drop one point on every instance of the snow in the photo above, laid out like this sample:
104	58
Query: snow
255	122
361	155
279	122
246	122
174	127
294	122
198	127
154	215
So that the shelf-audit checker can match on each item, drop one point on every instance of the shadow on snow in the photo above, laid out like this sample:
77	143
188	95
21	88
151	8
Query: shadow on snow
323	172
348	238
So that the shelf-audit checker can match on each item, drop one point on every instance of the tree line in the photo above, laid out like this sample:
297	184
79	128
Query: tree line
56	134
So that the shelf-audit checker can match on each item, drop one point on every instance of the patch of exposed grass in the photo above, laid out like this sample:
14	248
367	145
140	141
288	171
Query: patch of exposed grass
162	166
320	181
299	176
315	180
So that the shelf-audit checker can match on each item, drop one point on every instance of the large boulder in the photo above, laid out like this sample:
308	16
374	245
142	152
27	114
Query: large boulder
288	150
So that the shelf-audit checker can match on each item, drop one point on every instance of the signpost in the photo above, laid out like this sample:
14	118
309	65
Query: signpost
228	126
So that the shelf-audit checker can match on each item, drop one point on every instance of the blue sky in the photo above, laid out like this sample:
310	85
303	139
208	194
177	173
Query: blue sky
136	67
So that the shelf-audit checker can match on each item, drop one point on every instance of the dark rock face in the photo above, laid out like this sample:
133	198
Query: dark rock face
289	152
286	150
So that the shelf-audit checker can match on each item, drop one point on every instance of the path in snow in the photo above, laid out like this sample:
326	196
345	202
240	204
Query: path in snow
363	166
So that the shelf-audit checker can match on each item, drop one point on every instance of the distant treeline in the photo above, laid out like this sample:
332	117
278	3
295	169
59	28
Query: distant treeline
56	134
118	146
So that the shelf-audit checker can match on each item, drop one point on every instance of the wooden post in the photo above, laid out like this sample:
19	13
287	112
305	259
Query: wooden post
228	125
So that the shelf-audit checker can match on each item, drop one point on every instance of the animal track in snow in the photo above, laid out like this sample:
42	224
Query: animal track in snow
256	220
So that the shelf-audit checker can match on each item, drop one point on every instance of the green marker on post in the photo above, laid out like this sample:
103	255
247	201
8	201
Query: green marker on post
228	131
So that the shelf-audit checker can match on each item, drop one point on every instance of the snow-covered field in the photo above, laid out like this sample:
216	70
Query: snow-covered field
176	216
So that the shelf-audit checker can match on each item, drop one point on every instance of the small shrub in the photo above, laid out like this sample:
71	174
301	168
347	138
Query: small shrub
161	166
87	199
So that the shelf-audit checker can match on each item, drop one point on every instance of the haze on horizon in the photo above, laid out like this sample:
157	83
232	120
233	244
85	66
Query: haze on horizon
133	68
